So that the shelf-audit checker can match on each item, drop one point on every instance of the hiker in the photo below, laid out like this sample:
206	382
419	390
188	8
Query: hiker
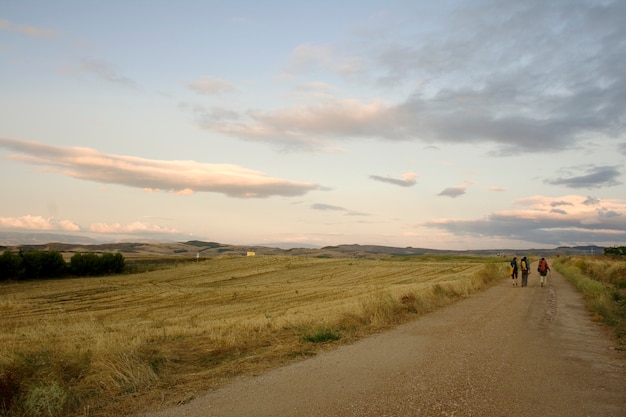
525	271
513	270
543	270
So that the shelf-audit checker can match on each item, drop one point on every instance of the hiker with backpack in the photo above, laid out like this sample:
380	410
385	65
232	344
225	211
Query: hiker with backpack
543	270
525	271
513	270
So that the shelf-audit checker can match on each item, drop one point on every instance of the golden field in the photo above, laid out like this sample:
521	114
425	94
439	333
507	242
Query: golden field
110	345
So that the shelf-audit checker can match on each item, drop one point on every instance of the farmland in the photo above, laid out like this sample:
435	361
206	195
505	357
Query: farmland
97	346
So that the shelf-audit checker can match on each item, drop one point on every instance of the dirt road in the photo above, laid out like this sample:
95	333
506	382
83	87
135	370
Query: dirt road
509	351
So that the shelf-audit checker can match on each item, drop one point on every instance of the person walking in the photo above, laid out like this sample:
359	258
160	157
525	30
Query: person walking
544	269
525	271
513	269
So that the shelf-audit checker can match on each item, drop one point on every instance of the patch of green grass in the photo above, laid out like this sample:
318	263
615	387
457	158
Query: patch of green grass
321	335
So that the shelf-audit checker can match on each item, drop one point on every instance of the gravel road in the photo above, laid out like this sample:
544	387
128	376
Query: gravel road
509	351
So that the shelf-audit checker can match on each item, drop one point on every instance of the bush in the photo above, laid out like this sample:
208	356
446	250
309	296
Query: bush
42	264
615	251
37	264
321	335
90	264
10	265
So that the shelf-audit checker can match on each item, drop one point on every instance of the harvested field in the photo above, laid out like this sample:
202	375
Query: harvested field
103	345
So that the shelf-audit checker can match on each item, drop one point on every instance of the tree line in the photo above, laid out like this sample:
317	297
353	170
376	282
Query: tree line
615	251
44	264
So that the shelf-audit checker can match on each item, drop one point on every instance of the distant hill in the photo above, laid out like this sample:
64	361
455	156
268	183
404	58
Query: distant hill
23	238
201	249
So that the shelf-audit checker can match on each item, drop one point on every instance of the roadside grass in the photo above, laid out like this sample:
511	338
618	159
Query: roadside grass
602	282
109	345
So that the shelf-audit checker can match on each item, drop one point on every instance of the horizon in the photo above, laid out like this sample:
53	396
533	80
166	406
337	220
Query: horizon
76	240
445	125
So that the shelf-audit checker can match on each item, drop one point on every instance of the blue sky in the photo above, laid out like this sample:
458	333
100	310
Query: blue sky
449	124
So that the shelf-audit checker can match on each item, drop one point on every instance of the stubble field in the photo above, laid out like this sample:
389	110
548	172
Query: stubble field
107	346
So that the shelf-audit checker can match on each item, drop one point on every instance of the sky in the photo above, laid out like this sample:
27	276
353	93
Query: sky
448	125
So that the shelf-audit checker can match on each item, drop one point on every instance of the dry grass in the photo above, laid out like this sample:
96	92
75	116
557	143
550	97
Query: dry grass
602	281
96	346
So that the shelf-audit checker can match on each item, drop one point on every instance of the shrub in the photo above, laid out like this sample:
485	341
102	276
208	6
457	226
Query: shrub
42	264
90	264
321	335
10	265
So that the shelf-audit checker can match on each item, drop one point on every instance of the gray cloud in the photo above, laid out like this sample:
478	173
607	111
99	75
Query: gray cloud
211	86
605	222
544	231
520	75
591	201
182	177
106	72
101	70
329	207
597	177
561	203
408	180
453	192
603	212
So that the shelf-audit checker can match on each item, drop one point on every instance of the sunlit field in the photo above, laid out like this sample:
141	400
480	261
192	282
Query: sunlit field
107	346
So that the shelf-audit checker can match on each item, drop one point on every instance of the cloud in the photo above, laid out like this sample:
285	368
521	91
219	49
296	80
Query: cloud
305	127
31	31
131	228
522	76
38	223
537	221
591	201
329	207
561	203
453	192
176	176
102	70
211	86
597	177
408	179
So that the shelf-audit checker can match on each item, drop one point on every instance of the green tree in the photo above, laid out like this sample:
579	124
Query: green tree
10	265
42	264
112	263
85	264
90	264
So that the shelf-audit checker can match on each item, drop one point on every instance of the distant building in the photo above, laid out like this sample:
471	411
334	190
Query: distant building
251	254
